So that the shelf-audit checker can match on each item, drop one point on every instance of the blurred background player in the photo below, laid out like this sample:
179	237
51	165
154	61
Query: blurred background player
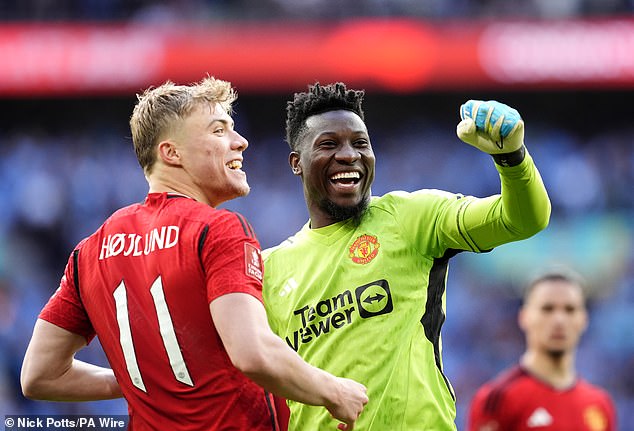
172	288
544	390
360	289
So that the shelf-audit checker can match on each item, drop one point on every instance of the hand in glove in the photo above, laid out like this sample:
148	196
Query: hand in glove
491	126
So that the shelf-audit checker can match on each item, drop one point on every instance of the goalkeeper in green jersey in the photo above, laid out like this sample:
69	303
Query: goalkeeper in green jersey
360	289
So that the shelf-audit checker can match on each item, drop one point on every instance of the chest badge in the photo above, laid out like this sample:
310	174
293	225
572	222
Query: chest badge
364	249
595	419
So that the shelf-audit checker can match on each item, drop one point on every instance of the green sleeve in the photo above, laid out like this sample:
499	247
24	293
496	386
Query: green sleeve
519	212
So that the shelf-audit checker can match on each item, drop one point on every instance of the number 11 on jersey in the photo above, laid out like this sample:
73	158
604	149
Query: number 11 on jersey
166	327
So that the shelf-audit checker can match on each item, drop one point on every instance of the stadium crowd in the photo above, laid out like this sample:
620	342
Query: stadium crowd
58	182
177	10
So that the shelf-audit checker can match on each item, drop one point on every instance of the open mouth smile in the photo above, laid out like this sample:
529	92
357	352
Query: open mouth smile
235	165
346	178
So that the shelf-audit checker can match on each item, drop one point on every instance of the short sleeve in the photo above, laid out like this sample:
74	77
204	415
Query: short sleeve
480	418
64	308
232	259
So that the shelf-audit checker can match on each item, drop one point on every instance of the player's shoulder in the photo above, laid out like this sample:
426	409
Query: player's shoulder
400	201
285	246
401	196
236	220
590	388
222	223
123	212
82	243
509	376
495	390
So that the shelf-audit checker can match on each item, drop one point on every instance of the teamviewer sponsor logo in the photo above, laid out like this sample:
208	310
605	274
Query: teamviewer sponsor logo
374	299
330	314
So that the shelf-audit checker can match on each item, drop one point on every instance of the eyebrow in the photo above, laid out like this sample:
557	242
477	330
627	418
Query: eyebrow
333	132
225	122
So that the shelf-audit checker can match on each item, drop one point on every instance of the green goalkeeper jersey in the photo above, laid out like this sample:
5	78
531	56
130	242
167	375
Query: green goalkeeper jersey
367	300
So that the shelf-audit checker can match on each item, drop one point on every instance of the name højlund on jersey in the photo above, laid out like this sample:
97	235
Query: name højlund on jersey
369	300
133	244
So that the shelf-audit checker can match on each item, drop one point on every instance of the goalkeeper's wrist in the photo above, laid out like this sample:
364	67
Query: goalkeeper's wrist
510	159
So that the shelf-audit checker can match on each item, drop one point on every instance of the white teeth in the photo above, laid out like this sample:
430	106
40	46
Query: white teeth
234	164
342	175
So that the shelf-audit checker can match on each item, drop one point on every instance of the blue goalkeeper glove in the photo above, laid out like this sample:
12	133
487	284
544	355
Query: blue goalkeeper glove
491	126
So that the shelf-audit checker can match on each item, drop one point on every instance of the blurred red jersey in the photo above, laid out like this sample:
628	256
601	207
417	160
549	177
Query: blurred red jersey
142	283
518	401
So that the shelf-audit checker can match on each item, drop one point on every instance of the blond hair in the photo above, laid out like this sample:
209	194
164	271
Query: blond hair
158	108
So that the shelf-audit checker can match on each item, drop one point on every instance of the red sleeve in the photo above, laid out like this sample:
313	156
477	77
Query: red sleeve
283	413
65	309
611	412
480	418
231	258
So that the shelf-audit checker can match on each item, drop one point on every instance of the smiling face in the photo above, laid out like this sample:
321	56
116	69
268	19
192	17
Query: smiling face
210	154
554	317
336	163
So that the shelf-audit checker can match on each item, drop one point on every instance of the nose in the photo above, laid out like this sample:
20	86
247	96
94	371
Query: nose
240	142
347	153
560	317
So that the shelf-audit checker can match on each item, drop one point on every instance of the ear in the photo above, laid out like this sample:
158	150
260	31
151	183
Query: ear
294	161
521	319
585	320
168	153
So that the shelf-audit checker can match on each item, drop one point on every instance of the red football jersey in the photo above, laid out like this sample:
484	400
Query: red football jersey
142	283
518	401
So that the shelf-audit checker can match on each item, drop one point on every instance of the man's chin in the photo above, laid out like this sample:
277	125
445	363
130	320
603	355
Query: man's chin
556	353
341	212
243	190
239	192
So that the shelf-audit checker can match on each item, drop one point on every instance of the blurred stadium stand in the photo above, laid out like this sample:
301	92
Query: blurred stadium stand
206	10
67	85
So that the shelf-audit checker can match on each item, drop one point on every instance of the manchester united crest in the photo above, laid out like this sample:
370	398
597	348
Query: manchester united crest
364	249
595	419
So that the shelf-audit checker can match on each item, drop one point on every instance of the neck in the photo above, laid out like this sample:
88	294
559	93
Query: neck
157	186
556	370
326	212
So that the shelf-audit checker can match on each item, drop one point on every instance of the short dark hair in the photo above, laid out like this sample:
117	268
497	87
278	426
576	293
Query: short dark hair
562	275
317	100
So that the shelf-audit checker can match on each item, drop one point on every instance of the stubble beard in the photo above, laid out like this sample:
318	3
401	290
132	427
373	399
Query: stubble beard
556	354
341	213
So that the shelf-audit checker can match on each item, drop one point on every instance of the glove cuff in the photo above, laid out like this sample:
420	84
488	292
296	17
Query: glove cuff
510	159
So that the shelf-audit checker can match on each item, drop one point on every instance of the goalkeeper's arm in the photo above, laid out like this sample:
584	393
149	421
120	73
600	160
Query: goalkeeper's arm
523	207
